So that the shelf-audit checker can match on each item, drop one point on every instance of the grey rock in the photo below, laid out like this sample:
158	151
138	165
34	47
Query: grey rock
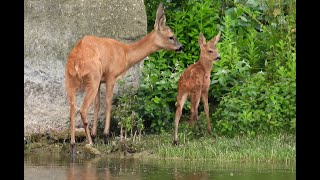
51	29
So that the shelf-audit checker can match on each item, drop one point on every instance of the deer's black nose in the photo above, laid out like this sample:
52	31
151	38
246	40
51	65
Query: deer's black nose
180	48
218	58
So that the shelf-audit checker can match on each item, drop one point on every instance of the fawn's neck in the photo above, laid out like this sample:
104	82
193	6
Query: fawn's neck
206	63
137	51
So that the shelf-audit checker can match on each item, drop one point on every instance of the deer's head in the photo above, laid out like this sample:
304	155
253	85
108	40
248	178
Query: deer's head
164	35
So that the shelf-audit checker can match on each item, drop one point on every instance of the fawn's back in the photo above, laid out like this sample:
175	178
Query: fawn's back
197	76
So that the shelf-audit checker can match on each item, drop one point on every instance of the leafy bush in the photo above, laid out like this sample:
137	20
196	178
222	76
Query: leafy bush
257	106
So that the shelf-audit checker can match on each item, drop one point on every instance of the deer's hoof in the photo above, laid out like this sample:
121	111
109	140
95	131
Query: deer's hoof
106	139
93	135
73	150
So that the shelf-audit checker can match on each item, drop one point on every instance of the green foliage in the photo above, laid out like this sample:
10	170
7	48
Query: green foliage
252	86
231	70
161	72
257	106
124	112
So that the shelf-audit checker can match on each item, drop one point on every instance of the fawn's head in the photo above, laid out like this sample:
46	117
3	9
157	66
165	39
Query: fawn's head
209	50
164	36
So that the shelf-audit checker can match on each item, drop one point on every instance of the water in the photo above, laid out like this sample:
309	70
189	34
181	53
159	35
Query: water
41	166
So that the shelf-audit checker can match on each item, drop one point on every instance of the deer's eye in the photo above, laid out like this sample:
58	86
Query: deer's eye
171	37
210	51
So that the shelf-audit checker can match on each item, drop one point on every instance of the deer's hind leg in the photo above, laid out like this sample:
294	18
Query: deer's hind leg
72	85
91	83
206	109
195	100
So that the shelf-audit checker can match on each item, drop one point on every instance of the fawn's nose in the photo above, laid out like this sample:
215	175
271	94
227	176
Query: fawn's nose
218	58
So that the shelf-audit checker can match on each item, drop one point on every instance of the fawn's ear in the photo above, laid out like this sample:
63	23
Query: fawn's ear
201	40
216	39
160	17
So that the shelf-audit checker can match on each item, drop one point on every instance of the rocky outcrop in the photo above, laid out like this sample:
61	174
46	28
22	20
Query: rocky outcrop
51	29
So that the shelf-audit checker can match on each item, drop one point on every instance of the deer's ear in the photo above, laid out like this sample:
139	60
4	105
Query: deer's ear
162	21
216	39
160	17
201	40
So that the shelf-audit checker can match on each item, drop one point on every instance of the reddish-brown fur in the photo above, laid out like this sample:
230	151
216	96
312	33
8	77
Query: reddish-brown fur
195	82
95	60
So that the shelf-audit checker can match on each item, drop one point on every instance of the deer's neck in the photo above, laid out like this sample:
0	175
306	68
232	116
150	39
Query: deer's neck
137	51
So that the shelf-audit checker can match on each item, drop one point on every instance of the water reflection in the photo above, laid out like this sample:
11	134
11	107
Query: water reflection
191	176
87	171
59	166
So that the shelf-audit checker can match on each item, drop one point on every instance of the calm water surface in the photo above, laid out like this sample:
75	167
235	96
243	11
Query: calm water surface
41	166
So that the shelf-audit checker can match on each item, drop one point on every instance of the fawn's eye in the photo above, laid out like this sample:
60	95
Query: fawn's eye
171	37
210	51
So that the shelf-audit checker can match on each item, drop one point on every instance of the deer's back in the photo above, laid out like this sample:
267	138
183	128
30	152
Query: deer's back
93	53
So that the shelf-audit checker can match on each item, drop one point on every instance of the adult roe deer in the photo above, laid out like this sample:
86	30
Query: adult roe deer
95	60
195	82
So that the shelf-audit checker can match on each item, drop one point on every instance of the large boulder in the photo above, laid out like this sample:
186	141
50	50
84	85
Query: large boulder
51	29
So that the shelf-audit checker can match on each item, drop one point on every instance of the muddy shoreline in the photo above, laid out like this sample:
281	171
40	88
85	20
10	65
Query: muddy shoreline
59	142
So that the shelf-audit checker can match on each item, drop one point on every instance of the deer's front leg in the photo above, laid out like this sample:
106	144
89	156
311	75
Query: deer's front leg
109	94
96	114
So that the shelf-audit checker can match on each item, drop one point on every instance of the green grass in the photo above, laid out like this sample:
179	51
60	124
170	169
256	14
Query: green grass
269	148
259	148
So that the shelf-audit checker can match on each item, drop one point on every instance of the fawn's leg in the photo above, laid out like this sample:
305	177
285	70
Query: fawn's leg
195	99
206	109
181	99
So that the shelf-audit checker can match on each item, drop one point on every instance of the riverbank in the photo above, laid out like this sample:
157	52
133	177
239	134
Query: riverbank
260	148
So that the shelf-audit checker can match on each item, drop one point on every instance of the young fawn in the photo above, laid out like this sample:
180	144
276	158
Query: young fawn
96	60
195	82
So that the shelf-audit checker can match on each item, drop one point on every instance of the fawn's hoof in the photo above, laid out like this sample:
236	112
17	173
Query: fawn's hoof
94	139
175	142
